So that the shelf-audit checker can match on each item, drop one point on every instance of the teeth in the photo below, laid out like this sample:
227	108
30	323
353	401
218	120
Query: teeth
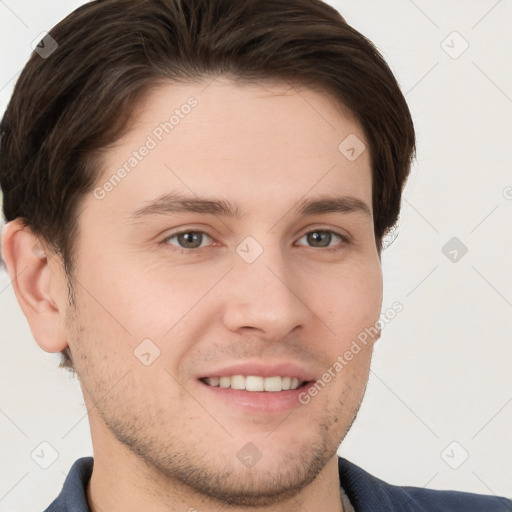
224	382
214	381
237	382
254	383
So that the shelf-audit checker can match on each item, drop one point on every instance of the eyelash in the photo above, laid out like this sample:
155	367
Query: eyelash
344	240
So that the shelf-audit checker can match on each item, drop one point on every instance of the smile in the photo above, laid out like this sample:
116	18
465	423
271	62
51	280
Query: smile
255	383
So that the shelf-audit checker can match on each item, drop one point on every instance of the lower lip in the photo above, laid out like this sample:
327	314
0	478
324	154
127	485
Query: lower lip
262	402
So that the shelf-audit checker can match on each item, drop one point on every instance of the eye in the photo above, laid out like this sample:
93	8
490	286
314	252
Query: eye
318	238
322	238
188	239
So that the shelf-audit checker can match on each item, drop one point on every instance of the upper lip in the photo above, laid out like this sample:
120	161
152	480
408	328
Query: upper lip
262	369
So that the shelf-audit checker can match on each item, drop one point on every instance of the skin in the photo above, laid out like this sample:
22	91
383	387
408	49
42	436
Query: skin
161	442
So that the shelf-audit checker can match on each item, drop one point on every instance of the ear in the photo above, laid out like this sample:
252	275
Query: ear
39	288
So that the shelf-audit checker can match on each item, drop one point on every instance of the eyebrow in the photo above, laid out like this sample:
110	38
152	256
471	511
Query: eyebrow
178	203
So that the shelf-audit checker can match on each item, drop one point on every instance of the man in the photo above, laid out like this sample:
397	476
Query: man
196	194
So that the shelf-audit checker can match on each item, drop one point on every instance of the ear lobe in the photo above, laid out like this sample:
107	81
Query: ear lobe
36	285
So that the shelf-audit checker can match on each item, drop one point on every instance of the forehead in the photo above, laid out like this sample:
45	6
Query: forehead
237	139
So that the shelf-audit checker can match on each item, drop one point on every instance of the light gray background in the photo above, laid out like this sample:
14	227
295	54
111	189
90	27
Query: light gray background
442	370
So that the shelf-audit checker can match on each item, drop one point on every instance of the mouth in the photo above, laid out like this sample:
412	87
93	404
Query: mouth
258	386
253	394
256	383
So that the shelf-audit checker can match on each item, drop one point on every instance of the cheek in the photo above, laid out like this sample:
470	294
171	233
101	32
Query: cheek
145	298
125	311
348	299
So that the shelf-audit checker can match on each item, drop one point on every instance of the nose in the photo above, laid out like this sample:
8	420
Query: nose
266	298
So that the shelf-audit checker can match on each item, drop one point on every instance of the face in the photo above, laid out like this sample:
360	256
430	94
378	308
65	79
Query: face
272	276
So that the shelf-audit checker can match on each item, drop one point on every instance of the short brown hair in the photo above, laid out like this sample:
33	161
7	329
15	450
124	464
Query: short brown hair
76	101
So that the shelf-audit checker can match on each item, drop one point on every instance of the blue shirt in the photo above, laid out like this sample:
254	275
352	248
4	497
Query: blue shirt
365	492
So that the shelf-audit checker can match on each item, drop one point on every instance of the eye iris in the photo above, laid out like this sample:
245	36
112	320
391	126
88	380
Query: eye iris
319	236
190	239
